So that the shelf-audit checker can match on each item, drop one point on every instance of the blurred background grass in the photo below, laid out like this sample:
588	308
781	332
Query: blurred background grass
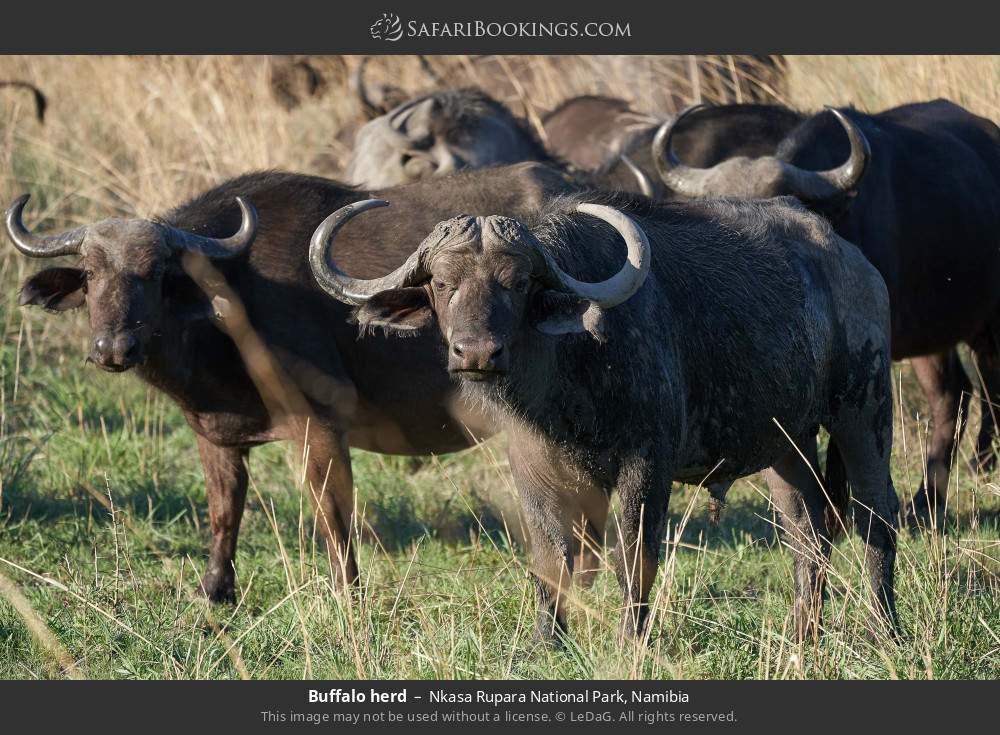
102	507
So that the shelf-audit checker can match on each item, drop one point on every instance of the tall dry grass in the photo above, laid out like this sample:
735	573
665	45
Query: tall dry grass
874	83
131	136
137	134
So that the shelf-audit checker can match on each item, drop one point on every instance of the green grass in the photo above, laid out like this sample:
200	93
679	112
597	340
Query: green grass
103	522
103	530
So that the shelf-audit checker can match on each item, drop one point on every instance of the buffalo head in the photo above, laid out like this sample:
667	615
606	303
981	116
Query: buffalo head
764	177
486	280
439	133
120	277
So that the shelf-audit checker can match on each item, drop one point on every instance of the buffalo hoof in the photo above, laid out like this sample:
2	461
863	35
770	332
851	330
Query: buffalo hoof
633	625
922	514
884	631
983	463
715	507
549	641
218	588
549	633
585	579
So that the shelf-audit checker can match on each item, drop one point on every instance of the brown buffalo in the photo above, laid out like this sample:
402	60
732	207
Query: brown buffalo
917	188
733	331
252	350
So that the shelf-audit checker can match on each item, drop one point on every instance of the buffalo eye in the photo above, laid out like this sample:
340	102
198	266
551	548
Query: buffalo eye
89	273
423	143
440	285
150	275
521	285
417	166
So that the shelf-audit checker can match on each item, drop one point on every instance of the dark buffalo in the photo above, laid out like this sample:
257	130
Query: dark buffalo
252	350
591	131
917	188
437	133
603	135
733	332
378	99
297	78
445	130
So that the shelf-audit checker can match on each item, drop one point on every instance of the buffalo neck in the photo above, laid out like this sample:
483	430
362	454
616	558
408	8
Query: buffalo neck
560	388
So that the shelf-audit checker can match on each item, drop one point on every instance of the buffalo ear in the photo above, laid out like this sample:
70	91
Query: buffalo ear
553	312
55	289
401	309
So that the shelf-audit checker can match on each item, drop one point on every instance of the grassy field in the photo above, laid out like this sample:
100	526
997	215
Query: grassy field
103	521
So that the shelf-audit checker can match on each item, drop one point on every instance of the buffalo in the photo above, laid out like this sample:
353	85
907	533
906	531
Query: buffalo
450	129
731	334
590	131
605	136
410	137
240	337
439	133
917	188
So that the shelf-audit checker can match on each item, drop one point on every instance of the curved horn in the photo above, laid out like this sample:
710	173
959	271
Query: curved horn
621	286
816	186
809	186
360	90
677	176
40	102
215	247
40	246
353	291
645	185
426	68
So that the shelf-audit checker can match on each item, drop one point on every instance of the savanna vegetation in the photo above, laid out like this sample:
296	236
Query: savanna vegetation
103	520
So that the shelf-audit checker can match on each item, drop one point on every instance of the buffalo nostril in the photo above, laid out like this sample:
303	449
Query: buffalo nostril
129	345
477	354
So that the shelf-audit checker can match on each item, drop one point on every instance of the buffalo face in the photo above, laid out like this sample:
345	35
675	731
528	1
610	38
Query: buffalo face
438	134
766	176
123	266
487	281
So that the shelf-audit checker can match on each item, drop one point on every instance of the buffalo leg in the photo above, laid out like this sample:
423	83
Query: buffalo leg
717	492
330	484
864	437
801	504
987	355
226	485
588	533
644	499
550	532
946	386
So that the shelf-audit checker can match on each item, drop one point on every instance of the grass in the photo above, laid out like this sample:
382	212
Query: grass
103	521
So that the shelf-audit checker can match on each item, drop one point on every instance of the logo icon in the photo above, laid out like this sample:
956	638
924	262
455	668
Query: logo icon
387	28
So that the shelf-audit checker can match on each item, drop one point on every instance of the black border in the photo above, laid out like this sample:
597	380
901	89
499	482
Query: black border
664	27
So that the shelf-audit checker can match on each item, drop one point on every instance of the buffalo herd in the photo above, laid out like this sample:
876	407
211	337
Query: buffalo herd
633	300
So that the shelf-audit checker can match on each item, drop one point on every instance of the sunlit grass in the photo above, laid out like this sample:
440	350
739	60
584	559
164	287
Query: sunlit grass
103	522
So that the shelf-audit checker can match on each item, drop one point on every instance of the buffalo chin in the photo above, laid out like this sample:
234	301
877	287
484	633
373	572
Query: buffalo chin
129	365
113	368
478	376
